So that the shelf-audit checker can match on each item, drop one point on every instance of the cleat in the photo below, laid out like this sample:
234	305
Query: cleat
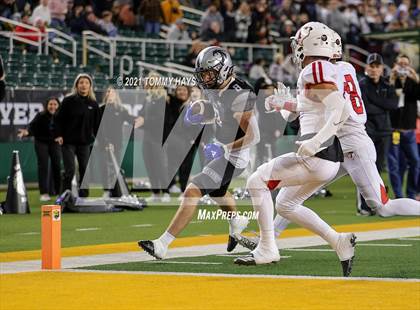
236	226
345	251
232	243
258	258
153	247
347	267
246	260
249	243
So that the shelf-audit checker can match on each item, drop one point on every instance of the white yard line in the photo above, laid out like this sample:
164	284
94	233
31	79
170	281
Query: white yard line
310	250
409	239
29	233
188	263
200	250
384	244
228	275
88	229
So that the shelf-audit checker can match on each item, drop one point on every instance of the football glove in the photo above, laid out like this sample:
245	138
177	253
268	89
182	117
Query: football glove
213	151
281	100
192	119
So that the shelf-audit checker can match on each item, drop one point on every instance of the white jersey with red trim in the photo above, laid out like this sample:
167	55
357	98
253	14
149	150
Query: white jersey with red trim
352	133
312	113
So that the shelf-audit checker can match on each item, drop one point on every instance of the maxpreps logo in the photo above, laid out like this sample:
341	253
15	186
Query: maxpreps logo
204	214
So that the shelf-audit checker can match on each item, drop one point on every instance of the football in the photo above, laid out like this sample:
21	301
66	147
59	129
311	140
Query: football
205	108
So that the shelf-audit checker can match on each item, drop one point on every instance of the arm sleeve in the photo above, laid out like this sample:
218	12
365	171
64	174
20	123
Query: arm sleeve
34	125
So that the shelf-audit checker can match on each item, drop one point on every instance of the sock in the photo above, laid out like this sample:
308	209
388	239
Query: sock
280	224
166	239
308	219
263	204
402	206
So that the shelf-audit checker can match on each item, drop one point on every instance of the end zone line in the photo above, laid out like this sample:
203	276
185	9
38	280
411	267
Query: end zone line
229	275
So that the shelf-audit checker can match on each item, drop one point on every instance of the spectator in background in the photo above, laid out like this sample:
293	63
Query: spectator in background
229	23
276	71
213	33
178	32
107	24
152	13
211	15
86	21
243	21
336	19
406	82
113	117
42	128
155	161
8	8
100	6
196	48
30	34
58	9
2	83
379	98
42	11
171	10
126	16
77	124
260	24
257	71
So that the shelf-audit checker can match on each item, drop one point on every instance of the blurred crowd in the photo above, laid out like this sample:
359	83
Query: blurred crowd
260	21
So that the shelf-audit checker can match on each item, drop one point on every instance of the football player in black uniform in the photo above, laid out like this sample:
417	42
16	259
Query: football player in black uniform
233	101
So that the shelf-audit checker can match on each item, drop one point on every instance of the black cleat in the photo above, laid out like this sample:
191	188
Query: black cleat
246	260
347	266
149	247
232	243
249	243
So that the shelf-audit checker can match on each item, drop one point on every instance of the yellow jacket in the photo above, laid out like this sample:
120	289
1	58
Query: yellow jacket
171	11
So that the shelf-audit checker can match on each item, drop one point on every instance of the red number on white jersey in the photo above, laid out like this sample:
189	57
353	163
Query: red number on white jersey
351	90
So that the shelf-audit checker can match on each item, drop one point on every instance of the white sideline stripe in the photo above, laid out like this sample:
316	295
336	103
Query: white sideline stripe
383	244
87	229
228	275
200	250
239	255
29	233
189	263
409	239
310	250
196	222
142	225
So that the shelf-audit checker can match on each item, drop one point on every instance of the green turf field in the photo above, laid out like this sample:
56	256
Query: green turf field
393	258
22	232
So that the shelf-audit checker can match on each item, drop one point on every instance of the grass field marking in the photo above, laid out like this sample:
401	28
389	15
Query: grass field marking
229	275
188	263
383	244
142	225
309	250
28	233
88	229
409	239
200	240
239	255
196	222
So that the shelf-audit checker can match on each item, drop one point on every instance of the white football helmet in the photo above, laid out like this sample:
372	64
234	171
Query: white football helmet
312	39
338	47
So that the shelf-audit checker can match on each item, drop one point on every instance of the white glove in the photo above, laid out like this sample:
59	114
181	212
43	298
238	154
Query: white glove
308	147
282	99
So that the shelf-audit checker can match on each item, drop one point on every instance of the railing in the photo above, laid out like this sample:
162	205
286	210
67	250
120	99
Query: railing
347	50
170	71
17	36
90	36
178	66
48	38
51	39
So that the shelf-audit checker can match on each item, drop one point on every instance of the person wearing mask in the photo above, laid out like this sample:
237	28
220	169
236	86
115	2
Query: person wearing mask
379	98
113	118
77	124
406	82
42	128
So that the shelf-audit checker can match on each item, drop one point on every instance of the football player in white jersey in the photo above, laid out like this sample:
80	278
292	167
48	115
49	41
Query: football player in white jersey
359	153
300	174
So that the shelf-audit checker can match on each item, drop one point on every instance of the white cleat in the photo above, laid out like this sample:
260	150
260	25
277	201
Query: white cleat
166	198
259	257
44	197
154	248
345	251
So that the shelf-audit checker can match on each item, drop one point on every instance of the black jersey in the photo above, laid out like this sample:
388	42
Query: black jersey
238	96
